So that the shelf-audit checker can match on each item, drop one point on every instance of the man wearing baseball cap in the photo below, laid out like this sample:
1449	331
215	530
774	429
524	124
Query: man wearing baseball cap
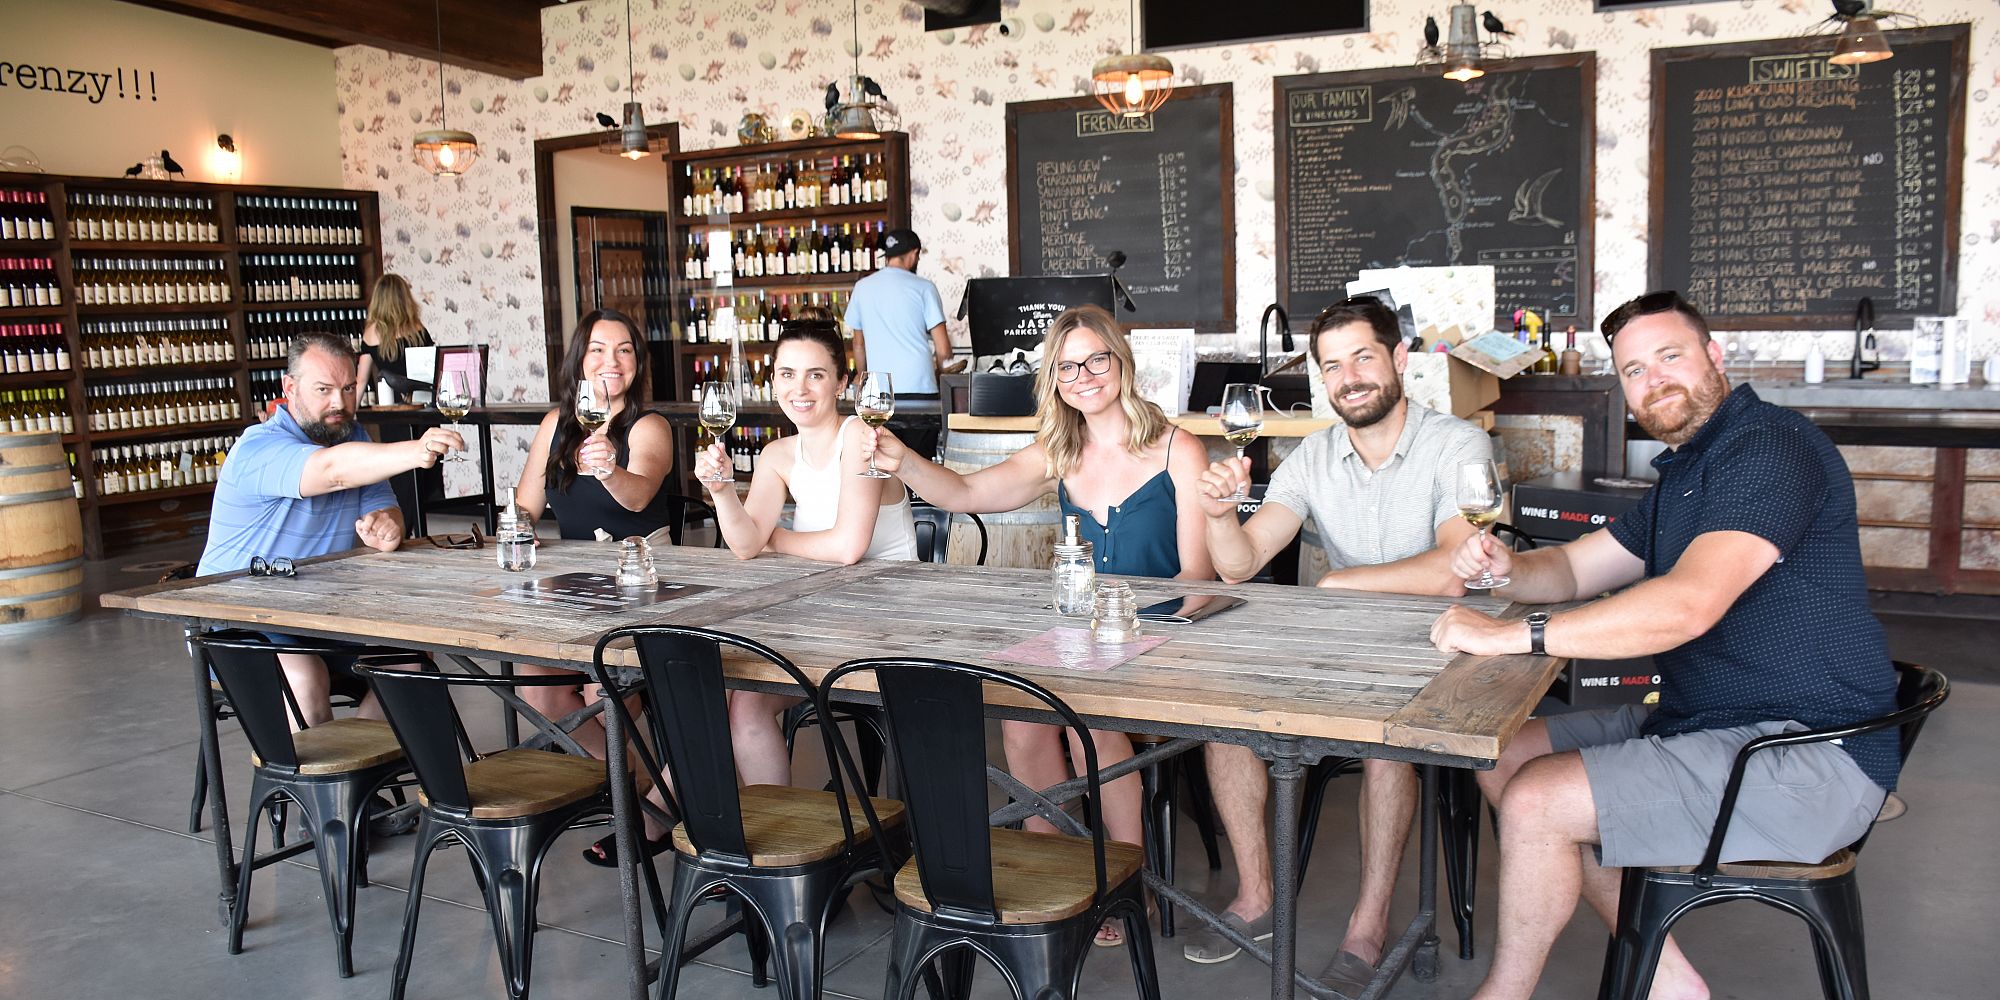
897	320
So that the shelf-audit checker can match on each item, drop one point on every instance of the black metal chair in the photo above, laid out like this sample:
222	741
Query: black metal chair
933	526
1824	895
688	510
329	771
346	693
1028	902
506	808
788	853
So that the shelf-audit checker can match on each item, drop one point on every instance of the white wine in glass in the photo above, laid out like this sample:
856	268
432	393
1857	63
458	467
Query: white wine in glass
454	401
593	410
1479	502
718	415
875	404
1242	419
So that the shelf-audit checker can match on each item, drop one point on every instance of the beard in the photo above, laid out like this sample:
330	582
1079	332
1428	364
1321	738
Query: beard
1370	413
1675	427
320	431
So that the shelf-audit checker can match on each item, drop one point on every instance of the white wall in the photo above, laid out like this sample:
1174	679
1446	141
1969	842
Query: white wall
185	81
586	178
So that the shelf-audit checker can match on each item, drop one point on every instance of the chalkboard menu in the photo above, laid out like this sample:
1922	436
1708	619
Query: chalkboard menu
1160	189
1785	187
1387	167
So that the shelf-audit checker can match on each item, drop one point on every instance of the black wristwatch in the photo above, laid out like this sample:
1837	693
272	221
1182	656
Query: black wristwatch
1536	622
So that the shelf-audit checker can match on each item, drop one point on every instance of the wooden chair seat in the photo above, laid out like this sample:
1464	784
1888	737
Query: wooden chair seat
1038	878
1839	864
343	745
785	826
515	783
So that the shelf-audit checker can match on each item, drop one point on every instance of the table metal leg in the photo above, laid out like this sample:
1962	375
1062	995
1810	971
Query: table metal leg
211	763
1425	963
1286	770
623	822
510	723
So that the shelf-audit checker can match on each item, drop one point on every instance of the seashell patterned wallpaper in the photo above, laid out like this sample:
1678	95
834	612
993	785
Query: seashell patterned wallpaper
469	244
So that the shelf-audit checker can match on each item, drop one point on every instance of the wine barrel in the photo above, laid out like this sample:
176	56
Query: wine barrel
1023	537
41	535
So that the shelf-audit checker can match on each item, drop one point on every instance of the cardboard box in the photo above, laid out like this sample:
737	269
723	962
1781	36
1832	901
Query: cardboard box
1605	683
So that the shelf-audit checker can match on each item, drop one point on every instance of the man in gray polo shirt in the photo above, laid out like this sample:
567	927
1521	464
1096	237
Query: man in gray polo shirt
1381	487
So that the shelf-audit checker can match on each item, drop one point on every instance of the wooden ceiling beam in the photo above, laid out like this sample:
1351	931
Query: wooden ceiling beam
502	37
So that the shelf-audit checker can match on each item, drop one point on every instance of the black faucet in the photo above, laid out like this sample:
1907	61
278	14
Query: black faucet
1264	336
1864	339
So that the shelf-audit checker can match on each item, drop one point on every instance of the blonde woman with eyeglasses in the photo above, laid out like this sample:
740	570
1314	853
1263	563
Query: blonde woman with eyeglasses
1110	456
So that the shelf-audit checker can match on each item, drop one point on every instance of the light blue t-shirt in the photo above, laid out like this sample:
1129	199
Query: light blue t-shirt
258	511
894	309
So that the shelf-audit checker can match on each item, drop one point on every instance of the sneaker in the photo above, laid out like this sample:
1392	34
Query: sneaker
1207	946
387	819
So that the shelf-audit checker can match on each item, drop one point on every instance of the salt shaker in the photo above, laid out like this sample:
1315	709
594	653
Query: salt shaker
635	565
513	535
1115	617
1075	575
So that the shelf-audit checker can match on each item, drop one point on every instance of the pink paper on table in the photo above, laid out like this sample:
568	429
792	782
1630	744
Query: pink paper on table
1076	649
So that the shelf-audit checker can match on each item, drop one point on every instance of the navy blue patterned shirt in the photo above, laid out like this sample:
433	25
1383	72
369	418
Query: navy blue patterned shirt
1801	643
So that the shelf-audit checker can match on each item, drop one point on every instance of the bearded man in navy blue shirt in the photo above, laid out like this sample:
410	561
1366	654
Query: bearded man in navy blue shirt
1743	579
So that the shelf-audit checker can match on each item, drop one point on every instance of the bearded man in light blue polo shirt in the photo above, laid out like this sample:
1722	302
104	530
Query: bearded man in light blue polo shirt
309	482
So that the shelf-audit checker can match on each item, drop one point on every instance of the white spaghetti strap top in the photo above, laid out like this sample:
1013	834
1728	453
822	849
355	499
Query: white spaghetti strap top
816	504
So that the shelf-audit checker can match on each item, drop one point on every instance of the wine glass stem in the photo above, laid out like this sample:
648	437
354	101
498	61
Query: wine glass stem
1242	492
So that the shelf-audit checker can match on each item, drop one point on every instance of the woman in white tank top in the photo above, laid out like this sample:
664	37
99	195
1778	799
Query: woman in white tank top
840	515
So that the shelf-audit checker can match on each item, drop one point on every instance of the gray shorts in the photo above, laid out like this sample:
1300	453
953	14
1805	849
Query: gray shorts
1657	796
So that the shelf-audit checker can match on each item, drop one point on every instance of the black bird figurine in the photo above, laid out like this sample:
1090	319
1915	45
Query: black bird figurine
1850	8
133	170
606	120
1493	24
1431	32
832	96
870	88
167	161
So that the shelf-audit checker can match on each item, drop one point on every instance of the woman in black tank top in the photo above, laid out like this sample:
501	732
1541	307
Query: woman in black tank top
610	479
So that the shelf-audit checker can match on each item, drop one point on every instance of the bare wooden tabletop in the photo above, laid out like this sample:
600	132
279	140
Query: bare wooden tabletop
1336	665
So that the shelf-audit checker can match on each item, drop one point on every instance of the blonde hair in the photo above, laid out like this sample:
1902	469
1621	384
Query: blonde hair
1062	432
394	314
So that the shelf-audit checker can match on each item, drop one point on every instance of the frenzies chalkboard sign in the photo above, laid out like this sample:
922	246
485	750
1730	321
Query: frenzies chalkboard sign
1160	189
1786	187
1390	167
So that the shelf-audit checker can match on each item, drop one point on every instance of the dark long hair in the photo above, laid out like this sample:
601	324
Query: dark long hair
569	435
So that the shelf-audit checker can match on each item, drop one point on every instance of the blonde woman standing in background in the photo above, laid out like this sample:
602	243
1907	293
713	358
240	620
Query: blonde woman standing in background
394	323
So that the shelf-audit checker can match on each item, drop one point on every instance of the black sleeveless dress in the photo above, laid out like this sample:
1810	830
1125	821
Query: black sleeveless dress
587	505
397	372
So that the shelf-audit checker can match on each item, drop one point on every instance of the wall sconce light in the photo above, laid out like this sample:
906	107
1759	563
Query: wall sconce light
226	161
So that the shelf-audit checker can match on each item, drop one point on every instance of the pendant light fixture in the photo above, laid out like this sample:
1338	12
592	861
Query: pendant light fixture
444	151
630	139
863	114
1136	83
1861	39
1462	55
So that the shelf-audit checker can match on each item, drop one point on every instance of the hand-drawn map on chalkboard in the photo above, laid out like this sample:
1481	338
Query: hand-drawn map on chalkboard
1381	168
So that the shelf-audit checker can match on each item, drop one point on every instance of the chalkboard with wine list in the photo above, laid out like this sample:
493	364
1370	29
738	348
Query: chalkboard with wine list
1787	187
1083	183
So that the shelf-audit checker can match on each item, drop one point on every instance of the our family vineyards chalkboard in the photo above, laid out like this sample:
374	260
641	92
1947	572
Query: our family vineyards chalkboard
1786	188
1386	167
1084	183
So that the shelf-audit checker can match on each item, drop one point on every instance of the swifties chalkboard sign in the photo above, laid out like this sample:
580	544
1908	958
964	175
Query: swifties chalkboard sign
1387	167
1160	189
1786	188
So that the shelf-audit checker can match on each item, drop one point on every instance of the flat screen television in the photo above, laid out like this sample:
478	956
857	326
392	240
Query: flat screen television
1179	24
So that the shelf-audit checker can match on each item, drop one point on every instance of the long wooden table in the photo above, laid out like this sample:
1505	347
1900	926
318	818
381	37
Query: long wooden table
1297	674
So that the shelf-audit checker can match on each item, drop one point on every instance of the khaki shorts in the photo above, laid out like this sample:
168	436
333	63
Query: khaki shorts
1657	796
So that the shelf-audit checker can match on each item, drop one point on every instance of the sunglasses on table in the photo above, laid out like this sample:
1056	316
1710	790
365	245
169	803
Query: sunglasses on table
475	540
281	566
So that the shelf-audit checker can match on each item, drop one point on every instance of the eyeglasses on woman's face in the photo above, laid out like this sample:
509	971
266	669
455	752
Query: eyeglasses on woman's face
1096	364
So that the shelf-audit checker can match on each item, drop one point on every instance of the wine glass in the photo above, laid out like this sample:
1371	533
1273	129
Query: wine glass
593	410
875	404
454	400
718	414
1479	502
1242	420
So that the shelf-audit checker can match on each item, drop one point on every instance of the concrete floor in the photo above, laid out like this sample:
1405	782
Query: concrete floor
104	894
